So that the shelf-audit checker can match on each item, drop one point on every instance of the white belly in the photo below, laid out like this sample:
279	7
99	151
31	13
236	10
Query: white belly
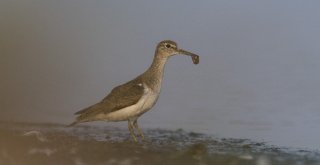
149	102
134	111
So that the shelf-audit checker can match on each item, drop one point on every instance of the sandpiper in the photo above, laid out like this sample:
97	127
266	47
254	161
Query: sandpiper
129	101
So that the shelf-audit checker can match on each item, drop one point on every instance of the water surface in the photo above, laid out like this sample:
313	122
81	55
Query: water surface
258	76
30	143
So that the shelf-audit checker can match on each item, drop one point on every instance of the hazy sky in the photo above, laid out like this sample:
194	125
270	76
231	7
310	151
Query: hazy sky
258	75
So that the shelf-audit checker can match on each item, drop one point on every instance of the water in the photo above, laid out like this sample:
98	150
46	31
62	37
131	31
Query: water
29	143
257	78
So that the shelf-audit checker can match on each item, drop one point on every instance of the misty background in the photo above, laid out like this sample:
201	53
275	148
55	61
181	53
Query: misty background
258	75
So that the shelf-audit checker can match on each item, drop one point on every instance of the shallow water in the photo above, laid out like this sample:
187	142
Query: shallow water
27	143
258	76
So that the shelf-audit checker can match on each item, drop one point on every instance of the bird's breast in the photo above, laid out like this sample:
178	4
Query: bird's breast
150	100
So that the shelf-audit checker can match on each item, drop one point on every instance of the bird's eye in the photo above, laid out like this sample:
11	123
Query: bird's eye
168	46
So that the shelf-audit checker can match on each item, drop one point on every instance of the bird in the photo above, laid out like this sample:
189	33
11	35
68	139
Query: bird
127	102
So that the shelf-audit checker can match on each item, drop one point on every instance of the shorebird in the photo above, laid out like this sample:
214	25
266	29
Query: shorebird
129	101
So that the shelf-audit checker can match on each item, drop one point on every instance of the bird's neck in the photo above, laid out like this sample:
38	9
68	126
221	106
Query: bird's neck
155	72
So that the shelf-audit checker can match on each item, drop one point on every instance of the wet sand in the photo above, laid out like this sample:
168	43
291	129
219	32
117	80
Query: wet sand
33	144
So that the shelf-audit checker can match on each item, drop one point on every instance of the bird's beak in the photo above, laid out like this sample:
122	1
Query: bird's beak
195	58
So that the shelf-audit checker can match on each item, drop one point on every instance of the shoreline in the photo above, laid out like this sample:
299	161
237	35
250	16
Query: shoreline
39	143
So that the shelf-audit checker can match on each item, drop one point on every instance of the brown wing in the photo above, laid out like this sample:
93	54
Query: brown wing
123	96
120	97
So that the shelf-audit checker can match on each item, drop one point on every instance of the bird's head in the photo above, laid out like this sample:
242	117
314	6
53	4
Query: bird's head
168	48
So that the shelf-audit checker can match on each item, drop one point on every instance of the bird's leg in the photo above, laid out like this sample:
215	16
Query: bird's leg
130	127
135	124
